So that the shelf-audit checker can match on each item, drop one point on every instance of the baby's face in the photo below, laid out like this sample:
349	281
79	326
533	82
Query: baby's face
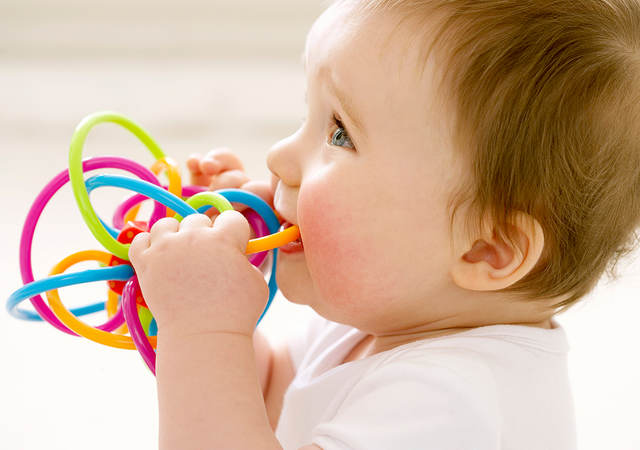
369	194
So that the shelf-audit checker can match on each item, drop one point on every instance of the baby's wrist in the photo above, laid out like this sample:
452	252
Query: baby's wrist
185	339
195	327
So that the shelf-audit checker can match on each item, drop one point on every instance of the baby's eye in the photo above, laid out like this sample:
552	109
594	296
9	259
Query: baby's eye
340	134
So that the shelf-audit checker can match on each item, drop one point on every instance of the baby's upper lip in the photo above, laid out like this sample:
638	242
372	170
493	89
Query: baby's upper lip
283	216
286	219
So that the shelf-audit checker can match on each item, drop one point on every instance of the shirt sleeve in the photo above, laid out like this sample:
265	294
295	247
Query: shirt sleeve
302	340
412	405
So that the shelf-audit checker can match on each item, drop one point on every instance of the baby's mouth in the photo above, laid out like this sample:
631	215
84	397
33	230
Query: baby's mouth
284	225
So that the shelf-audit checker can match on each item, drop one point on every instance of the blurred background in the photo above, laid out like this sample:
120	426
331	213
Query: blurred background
196	75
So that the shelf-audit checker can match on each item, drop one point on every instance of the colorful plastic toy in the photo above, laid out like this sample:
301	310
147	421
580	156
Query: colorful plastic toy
126	308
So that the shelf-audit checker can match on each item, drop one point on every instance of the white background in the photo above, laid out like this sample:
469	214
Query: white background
196	75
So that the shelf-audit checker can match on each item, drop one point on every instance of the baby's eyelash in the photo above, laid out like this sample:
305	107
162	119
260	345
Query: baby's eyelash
336	121
339	123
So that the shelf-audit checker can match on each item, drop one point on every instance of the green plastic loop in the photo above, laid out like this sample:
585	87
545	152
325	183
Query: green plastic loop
145	319
76	174
208	199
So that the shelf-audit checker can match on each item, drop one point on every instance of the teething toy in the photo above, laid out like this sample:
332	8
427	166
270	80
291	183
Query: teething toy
125	306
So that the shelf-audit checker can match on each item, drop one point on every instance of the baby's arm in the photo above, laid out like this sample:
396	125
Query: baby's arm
276	371
264	360
222	169
281	375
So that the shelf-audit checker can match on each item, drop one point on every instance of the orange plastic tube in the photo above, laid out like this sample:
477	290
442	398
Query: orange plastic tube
71	321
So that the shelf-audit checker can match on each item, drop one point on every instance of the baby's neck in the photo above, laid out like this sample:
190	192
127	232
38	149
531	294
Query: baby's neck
371	345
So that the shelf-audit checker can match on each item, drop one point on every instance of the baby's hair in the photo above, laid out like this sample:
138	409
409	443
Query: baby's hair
546	95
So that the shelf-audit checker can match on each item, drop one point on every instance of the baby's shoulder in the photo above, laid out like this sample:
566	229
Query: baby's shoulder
427	357
462	372
433	384
484	352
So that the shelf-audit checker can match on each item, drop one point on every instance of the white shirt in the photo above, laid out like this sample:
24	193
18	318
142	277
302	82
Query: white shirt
494	387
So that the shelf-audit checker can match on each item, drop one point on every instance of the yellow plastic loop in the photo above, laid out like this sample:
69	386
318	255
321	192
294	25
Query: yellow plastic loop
173	173
131	215
71	321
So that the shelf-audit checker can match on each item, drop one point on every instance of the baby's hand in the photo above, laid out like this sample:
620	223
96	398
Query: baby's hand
195	276
222	169
218	169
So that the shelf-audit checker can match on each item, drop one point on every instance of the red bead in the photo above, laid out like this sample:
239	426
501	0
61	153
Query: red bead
130	230
140	300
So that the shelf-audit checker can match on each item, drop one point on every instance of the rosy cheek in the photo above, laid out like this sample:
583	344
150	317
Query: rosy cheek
335	249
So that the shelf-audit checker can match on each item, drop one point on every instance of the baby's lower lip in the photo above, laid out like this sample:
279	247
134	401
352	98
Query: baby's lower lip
294	246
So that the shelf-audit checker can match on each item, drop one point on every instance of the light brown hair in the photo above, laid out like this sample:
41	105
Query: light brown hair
546	95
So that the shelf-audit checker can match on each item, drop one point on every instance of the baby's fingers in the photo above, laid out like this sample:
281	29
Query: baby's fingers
231	179
193	164
197	177
139	244
209	166
220	160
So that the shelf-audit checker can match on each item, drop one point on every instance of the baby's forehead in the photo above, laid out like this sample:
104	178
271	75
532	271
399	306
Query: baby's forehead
347	41
376	37
375	55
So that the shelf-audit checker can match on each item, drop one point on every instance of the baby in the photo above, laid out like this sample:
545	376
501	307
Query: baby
467	170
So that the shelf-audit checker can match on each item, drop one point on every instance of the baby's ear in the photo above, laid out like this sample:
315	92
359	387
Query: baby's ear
487	263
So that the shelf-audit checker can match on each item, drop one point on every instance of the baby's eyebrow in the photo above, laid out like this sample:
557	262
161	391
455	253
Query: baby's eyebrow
346	103
344	100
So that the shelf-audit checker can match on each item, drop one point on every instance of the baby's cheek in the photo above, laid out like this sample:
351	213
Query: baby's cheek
336	249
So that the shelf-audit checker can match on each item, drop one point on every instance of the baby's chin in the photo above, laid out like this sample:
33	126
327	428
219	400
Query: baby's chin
293	279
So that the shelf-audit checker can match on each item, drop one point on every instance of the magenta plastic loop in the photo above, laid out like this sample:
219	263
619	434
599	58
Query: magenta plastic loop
116	321
130	309
26	239
124	207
